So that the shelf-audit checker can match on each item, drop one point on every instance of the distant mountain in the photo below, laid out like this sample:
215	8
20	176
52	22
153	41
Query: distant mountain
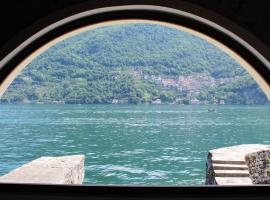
134	63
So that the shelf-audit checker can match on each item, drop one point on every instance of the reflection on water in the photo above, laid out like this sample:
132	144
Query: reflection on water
129	144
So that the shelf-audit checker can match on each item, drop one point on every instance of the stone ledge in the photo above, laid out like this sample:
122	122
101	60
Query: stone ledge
229	167
49	170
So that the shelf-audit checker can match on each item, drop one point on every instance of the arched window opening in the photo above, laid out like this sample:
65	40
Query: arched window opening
144	101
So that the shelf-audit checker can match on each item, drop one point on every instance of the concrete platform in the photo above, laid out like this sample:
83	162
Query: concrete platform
49	170
235	154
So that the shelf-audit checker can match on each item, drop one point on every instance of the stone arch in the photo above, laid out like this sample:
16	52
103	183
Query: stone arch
239	49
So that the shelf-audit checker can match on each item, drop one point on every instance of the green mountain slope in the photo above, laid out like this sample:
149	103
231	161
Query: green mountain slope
135	63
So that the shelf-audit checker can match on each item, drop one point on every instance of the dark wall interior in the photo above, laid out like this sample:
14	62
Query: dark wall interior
252	15
16	15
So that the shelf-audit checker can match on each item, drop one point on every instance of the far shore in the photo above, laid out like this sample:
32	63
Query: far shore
176	104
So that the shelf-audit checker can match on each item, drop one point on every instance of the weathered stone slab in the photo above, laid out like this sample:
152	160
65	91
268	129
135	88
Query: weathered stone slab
231	173
233	181
259	166
235	154
49	170
229	167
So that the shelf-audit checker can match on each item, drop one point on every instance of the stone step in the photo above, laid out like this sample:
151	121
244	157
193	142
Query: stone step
231	173
232	162
233	181
229	167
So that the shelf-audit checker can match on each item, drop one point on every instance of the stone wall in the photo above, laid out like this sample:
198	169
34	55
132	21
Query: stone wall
210	173
259	166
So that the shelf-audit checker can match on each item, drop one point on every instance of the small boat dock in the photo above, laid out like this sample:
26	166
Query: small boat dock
231	165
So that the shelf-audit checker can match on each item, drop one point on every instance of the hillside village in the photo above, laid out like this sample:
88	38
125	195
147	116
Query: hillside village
190	85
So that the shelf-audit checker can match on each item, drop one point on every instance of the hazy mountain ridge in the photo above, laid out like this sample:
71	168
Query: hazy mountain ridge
110	64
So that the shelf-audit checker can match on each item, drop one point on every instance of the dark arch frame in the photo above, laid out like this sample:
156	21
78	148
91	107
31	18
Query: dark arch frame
254	52
246	45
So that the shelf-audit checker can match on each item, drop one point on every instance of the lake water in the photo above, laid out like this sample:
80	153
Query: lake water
129	144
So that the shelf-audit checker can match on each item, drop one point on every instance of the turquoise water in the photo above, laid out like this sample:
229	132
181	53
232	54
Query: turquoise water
129	144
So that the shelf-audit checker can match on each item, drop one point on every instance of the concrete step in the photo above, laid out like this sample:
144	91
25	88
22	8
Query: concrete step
233	181
232	162
231	173
229	167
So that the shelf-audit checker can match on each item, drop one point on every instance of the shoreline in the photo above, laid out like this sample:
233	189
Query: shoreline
139	104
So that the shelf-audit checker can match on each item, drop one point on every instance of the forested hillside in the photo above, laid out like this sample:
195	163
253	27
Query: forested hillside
134	63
